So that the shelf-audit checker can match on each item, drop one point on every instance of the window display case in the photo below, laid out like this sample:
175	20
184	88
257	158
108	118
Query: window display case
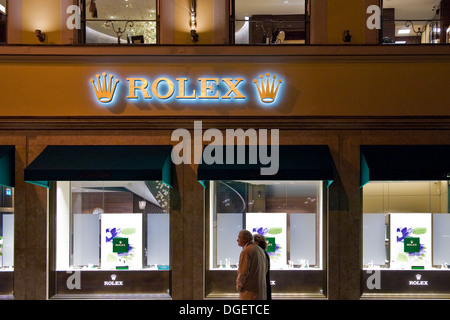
406	243
103	202
7	207
289	208
406	222
116	229
6	240
289	214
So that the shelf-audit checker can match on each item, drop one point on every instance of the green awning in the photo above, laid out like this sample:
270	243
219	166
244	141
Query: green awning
294	163
7	166
101	163
402	163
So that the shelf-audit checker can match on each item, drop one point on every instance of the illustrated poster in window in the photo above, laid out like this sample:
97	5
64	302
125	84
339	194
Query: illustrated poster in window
121	241
410	240
273	227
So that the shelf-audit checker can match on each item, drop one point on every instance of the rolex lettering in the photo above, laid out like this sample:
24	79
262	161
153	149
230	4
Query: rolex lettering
228	90
113	281
418	281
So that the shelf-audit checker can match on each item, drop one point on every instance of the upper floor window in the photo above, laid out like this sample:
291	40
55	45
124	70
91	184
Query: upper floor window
123	21
2	21
425	21
269	22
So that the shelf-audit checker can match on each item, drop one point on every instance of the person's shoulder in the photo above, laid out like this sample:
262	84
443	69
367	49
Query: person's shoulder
249	247
257	248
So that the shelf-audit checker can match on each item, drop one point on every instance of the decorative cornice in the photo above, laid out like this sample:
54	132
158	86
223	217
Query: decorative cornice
223	122
172	53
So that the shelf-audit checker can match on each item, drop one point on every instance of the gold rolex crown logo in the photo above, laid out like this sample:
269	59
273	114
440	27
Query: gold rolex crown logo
268	92
105	89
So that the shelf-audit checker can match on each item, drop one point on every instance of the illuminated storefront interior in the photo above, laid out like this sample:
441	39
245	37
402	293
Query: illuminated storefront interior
115	232
406	219
290	214
7	177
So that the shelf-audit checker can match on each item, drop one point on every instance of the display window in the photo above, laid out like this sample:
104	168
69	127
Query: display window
112	225
113	234
110	236
6	239
290	213
7	196
406	232
406	224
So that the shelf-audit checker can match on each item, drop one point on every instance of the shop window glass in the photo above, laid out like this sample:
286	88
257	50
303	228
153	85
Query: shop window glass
394	211
6	240
131	21
290	216
406	232
423	22
269	22
109	225
6	228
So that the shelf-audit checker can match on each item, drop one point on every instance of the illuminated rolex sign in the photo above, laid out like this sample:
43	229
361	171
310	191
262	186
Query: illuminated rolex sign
265	88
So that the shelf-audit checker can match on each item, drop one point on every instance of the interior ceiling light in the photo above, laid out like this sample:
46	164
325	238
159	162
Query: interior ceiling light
404	31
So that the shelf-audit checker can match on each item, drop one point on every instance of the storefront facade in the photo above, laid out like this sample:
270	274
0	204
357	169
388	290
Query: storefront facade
123	185
303	116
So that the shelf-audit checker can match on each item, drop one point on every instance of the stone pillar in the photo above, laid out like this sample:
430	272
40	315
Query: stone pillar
14	22
31	232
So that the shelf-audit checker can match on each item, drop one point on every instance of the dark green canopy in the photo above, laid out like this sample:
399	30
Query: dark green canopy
295	163
7	166
402	163
101	163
